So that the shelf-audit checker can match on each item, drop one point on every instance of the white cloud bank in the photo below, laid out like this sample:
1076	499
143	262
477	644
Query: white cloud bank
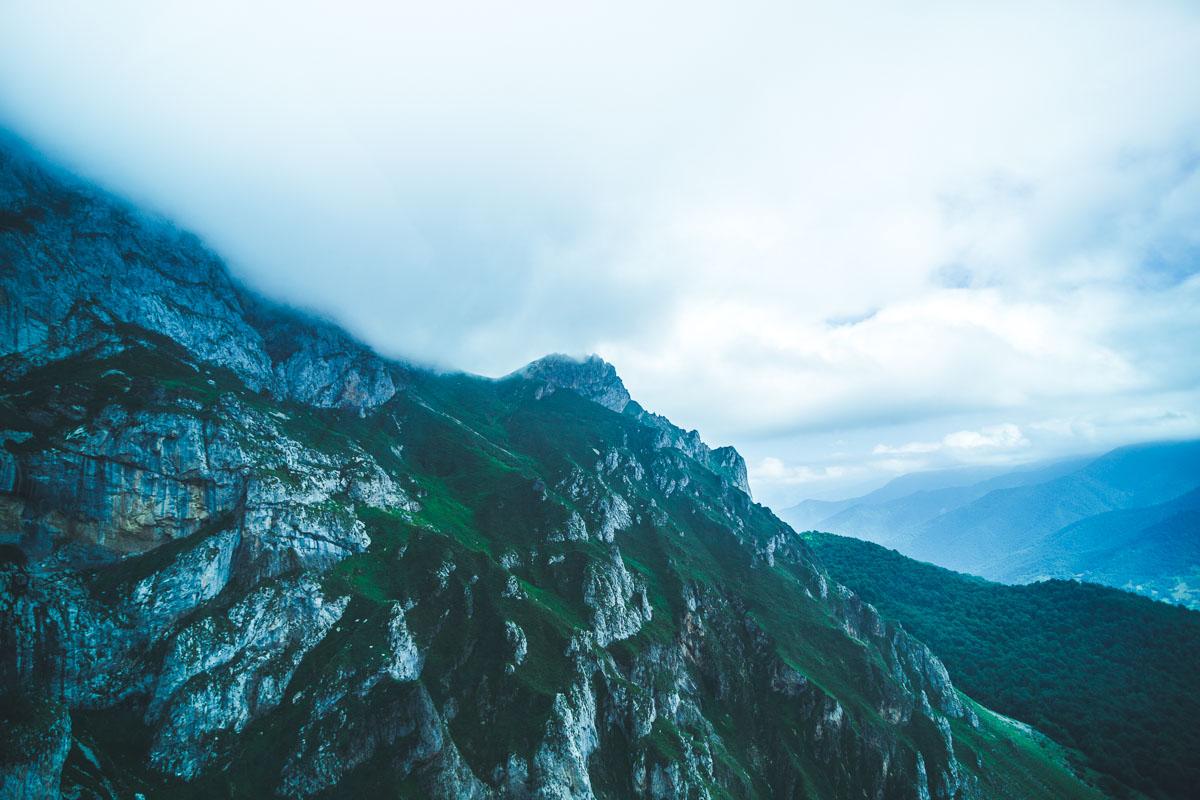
805	229
968	444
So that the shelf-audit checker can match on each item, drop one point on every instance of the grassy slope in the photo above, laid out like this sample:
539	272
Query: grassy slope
1106	672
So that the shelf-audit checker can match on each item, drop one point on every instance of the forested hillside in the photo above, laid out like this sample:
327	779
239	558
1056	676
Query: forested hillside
1104	671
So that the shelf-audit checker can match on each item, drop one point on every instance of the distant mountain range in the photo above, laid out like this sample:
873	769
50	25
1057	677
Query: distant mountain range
1129	518
1154	551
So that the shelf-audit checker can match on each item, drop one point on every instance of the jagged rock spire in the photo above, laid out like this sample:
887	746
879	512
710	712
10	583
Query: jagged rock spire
591	377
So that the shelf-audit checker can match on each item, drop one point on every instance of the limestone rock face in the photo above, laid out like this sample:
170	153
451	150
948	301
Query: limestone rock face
592	378
319	364
725	462
595	379
240	553
82	264
222	670
617	601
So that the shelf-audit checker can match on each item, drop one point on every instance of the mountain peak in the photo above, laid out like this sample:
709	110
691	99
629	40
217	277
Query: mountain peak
591	377
595	379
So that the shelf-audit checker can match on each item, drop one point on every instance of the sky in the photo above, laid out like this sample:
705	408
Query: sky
852	239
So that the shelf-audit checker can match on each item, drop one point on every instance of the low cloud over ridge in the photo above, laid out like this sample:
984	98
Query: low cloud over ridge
805	231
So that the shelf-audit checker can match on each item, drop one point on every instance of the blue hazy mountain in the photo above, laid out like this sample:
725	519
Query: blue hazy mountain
1153	550
984	536
1126	519
892	513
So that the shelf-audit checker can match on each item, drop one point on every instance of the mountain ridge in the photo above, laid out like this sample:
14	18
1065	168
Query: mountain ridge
978	537
243	555
953	484
1147	550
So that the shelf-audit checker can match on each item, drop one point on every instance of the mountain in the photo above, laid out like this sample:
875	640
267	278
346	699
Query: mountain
245	556
812	512
1153	551
1126	519
895	512
984	536
1101	670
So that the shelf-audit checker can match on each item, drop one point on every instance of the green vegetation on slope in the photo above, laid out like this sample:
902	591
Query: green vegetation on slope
479	452
491	465
1108	673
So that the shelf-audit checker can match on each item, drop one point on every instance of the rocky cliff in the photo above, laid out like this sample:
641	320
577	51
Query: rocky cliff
245	556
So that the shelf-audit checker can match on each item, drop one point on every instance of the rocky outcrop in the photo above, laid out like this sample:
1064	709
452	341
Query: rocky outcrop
222	670
618	603
723	461
592	378
398	724
560	766
595	379
317	363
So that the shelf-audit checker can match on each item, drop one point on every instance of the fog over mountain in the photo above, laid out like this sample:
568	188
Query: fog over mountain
243	555
853	242
523	401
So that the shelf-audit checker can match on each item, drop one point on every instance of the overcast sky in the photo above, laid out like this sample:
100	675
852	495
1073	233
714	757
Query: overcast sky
851	239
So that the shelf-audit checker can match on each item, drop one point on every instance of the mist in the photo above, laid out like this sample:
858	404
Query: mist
851	241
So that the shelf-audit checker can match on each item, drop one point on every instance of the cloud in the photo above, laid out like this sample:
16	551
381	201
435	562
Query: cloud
947	352
774	471
964	444
786	223
997	437
911	448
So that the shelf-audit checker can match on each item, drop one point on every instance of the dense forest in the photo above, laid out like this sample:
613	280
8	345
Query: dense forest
1110	674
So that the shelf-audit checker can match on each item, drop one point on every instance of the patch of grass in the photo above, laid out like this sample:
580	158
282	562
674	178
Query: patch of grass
1016	763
